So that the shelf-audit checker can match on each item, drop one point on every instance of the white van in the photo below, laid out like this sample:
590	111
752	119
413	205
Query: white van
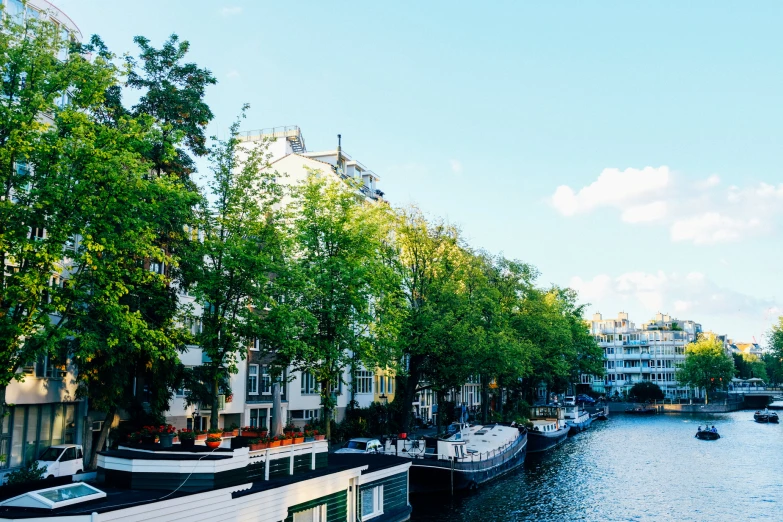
62	460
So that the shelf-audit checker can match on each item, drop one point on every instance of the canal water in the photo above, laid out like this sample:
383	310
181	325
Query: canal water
637	468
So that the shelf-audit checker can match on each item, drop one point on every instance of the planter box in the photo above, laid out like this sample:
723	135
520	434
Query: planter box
227	434
320	437
251	434
286	442
299	440
309	439
202	436
274	444
259	446
187	443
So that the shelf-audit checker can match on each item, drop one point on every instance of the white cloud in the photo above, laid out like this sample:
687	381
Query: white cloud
699	212
613	188
456	166
712	227
233	73
654	211
231	11
693	294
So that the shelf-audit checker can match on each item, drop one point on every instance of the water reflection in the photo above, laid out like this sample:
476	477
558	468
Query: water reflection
638	468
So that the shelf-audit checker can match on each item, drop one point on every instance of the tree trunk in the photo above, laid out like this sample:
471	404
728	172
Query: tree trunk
439	397
705	396
107	422
213	418
408	392
326	405
276	427
484	399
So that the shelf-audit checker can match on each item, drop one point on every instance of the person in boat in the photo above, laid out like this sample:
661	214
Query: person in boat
714	429
698	430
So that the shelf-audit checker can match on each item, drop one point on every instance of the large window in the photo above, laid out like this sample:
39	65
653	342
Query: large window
252	379
266	381
309	384
29	430
372	502
363	381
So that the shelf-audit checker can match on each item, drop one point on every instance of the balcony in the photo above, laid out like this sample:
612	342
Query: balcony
635	370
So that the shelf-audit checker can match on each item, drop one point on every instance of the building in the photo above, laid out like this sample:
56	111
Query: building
650	353
42	409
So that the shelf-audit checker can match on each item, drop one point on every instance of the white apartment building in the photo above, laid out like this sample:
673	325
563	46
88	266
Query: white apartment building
650	353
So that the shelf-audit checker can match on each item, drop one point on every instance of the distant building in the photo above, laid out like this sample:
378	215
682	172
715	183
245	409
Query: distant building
650	353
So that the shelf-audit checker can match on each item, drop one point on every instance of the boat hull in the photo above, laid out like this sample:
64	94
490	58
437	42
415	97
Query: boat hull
431	475
576	427
539	442
707	435
645	411
766	418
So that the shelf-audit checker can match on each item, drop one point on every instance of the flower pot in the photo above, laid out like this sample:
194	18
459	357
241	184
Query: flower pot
262	433
309	439
235	432
259	446
187	443
403	435
213	445
251	434
227	434
201	436
320	437
286	442
166	440
274	443
299	440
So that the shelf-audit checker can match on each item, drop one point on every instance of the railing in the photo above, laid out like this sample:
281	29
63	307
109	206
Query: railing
475	460
284	131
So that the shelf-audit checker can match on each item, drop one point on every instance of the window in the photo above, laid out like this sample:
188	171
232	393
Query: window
252	379
266	381
309	385
363	381
254	345
15	8
316	514
390	385
372	502
383	384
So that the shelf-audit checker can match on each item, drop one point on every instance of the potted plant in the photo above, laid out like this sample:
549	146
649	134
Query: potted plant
298	437
309	436
274	442
234	429
166	435
318	436
262	431
213	441
287	439
187	438
148	434
257	444
134	437
200	434
289	428
250	431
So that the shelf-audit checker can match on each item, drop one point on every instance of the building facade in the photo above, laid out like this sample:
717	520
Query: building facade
633	354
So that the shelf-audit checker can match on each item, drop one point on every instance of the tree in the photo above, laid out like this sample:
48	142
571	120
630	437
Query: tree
748	366
232	256
774	357
45	83
344	287
645	391
706	366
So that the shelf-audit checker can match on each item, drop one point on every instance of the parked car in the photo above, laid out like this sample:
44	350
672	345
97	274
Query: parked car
584	399
361	445
62	460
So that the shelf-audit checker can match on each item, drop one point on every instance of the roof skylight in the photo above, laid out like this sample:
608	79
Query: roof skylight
56	497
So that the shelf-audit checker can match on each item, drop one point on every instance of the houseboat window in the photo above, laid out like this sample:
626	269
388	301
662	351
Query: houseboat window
352	444
372	502
316	514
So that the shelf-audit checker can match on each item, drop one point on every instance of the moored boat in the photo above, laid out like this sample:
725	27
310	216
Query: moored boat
766	416
463	458
548	429
577	419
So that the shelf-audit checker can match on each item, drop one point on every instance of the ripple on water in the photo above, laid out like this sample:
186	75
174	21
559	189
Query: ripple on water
642	469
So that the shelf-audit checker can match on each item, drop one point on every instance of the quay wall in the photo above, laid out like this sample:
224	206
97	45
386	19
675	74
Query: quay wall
700	407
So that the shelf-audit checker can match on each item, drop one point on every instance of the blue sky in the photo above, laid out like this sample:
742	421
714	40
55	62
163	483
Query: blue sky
628	149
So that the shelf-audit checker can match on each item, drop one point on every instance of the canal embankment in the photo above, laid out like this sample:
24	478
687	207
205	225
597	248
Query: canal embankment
723	406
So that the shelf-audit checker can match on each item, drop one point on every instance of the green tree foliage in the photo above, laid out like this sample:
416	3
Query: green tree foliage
232	256
645	391
748	366
38	217
706	366
343	285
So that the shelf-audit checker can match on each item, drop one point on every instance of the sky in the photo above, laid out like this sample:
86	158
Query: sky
630	150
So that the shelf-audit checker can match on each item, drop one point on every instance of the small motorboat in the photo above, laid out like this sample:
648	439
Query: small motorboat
766	416
642	410
707	435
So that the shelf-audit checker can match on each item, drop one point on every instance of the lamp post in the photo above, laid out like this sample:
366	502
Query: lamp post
385	400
